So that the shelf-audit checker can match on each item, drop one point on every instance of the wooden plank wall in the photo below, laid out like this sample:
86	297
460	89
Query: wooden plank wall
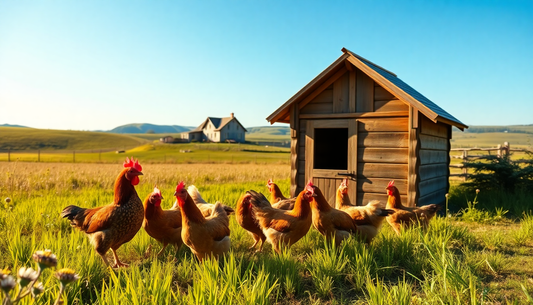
382	156
382	152
434	161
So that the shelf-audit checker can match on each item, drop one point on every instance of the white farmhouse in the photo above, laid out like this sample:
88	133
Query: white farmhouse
226	129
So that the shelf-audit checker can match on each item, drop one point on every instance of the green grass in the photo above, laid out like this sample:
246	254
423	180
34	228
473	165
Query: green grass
47	139
454	262
164	153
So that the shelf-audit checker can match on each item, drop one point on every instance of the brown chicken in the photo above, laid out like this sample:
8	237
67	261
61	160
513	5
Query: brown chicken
162	225
277	199
368	218
204	206
330	222
245	218
407	216
112	225
281	227
205	236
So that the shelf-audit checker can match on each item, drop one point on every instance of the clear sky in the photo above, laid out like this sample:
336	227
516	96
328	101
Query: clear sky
96	65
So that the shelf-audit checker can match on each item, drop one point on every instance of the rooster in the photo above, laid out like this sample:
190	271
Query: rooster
246	219
281	227
368	218
205	236
205	207
277	199
407	216
162	225
330	222
112	225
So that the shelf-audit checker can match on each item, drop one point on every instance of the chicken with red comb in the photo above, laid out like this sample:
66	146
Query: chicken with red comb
407	216
110	226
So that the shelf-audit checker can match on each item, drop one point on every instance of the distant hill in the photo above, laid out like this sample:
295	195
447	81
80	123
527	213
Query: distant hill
48	139
270	130
9	125
144	128
268	134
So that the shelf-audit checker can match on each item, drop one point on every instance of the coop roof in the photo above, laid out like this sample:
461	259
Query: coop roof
388	80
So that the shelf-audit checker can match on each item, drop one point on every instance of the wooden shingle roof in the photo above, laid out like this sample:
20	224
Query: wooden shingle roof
388	80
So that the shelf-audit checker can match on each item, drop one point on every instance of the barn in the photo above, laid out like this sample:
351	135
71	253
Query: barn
360	121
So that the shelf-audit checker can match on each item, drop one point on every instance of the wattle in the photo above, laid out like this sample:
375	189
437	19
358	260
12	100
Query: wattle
135	180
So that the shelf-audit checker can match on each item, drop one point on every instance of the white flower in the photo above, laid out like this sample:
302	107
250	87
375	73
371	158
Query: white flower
26	276
8	283
45	259
66	276
37	289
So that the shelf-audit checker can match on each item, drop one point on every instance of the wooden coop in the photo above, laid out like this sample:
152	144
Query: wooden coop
360	121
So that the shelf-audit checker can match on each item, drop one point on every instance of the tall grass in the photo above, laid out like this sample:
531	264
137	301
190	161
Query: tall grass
452	262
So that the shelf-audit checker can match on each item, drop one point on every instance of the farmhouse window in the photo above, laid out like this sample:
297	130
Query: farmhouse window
331	148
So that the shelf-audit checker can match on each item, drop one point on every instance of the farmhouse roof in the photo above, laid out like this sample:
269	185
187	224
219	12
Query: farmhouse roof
219	123
388	80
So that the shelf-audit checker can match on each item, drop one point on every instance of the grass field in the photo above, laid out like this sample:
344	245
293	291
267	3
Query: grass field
476	256
164	153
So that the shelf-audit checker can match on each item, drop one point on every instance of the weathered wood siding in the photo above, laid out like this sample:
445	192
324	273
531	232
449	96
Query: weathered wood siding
382	156
385	101
434	161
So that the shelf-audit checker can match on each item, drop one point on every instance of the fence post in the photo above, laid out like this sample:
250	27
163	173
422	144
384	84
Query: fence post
507	148
465	160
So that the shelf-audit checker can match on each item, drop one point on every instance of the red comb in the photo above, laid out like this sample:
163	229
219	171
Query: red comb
309	186
391	183
270	182
180	186
133	164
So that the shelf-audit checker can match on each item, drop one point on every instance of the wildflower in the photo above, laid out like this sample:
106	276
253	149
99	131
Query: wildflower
477	191
66	276
37	289
447	195
26	276
45	259
4	272
7	200
7	283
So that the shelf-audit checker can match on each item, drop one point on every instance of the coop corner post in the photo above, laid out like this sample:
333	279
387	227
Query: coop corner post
295	126
414	158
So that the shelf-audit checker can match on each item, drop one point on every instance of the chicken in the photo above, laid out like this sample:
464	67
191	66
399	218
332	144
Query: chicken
407	216
329	221
205	236
162	225
281	227
368	218
277	199
112	225
205	207
246	219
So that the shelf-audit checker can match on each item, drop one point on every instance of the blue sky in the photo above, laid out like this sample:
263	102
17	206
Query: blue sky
95	65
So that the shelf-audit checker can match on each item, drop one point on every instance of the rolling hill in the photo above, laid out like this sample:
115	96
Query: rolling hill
15	138
150	128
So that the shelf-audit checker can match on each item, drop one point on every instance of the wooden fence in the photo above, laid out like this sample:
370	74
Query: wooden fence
499	151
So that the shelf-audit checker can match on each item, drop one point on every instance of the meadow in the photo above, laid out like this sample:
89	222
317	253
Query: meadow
480	254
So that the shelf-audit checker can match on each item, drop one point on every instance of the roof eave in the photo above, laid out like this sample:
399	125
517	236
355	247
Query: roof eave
459	125
278	114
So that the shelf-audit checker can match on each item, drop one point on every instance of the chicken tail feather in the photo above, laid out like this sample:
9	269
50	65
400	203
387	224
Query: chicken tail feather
258	200
73	214
195	194
386	212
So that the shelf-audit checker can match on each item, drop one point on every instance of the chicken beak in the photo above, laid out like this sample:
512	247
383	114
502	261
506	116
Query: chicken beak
162	197
175	194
